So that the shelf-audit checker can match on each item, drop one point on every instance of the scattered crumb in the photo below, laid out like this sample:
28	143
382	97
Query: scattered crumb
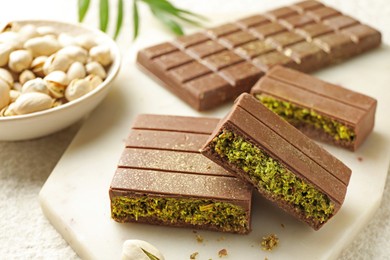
222	253
194	255
208	167
360	159
265	258
199	238
221	239
282	225
194	231
269	242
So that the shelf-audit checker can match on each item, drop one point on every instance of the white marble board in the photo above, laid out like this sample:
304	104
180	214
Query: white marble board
75	197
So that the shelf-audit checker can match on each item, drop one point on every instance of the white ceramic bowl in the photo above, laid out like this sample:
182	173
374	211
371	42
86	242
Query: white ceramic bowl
45	122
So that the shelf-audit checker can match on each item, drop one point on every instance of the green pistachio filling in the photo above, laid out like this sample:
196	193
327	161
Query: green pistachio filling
272	177
298	115
226	216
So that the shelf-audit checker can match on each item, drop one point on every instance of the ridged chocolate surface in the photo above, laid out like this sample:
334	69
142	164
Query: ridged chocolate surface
348	107
207	68
261	127
162	159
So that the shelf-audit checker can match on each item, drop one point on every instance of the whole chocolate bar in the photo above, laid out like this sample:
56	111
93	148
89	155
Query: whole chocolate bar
163	179
208	68
283	164
321	110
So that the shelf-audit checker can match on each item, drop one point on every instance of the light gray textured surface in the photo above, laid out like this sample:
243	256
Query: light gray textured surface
24	166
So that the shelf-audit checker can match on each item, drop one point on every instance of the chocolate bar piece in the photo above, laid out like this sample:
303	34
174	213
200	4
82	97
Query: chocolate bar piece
211	67
321	110
283	164
163	179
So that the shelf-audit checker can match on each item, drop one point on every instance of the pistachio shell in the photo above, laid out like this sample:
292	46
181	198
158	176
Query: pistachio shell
37	65
95	80
25	76
56	62
19	60
66	40
4	94
7	77
8	110
76	53
46	30
35	85
14	94
96	68
56	83
86	41
27	31
58	77
42	46
101	54
77	88
135	250
76	71
12	38
32	102
5	51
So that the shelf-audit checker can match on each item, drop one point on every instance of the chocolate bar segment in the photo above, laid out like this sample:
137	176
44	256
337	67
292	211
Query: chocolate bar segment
321	110
283	164
163	179
305	36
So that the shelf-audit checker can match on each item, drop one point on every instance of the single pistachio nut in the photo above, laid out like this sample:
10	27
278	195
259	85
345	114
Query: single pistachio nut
27	31
86	41
95	80
76	71
14	94
19	60
37	65
7	77
140	250
56	82
56	62
46	30
96	68
25	76
4	94
12	38
74	52
77	88
66	39
5	51
32	102
42	46
35	85
101	54
8	110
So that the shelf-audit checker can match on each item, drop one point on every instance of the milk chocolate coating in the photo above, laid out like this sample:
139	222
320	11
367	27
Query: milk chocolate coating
211	67
256	124
352	109
162	160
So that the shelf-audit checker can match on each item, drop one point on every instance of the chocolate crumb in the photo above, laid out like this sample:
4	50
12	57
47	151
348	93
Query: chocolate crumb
221	239
194	255
360	159
269	242
194	231
222	253
282	225
199	238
